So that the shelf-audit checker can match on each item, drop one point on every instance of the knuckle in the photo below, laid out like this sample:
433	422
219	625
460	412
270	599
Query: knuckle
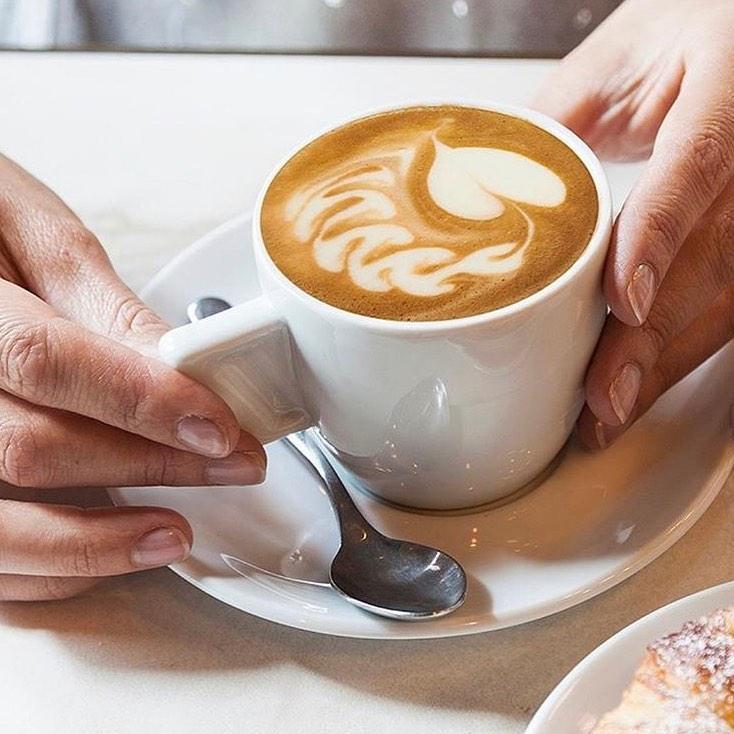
170	467
85	561
158	467
164	466
711	148
656	332
133	402
145	393
27	361
129	314
77	247
724	231
722	244
712	154
79	556
131	392
663	228
22	457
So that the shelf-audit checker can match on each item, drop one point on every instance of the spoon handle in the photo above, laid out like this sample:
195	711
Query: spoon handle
352	522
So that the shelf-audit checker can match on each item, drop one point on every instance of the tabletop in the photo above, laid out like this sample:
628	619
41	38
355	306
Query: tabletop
153	151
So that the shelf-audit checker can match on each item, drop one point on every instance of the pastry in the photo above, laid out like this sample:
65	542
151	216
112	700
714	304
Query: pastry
684	685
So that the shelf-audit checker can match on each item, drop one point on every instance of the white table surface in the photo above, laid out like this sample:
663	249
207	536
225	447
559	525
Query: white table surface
152	152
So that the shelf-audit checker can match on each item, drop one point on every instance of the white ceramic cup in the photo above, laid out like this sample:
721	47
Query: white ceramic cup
427	414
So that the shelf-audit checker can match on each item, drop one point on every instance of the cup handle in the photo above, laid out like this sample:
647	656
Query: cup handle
244	355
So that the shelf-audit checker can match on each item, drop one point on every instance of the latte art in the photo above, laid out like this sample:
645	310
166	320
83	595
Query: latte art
413	215
349	217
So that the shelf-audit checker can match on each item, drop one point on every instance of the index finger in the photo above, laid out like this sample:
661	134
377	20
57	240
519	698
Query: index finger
691	163
65	541
49	361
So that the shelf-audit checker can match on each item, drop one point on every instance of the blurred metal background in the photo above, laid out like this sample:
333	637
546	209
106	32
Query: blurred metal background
381	27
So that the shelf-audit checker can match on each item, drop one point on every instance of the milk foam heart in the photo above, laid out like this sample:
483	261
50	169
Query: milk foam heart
429	213
467	182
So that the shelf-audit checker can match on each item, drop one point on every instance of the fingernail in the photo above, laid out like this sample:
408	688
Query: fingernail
624	390
241	468
600	434
160	547
202	436
641	291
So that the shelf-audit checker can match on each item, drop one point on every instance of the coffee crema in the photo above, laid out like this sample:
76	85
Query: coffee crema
429	213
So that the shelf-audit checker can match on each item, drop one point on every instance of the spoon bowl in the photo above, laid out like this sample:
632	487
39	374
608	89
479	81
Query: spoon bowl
398	579
393	578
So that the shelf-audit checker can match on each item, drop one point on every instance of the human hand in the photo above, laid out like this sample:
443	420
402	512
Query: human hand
83	402
657	78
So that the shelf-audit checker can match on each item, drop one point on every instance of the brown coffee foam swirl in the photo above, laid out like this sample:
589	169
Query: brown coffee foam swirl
351	220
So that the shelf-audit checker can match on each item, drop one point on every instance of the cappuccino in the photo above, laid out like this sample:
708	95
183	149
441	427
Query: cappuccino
429	213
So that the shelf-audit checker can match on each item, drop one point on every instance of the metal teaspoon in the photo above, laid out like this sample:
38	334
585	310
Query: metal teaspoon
388	577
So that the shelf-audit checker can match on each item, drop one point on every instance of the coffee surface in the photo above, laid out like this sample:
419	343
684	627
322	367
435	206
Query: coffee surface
429	213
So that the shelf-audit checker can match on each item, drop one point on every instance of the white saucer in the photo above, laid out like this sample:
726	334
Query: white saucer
594	522
596	684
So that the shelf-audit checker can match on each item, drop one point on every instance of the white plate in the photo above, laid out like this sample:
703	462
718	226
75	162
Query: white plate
596	684
597	520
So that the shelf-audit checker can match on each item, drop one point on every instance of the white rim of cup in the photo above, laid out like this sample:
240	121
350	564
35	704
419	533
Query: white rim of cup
597	241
